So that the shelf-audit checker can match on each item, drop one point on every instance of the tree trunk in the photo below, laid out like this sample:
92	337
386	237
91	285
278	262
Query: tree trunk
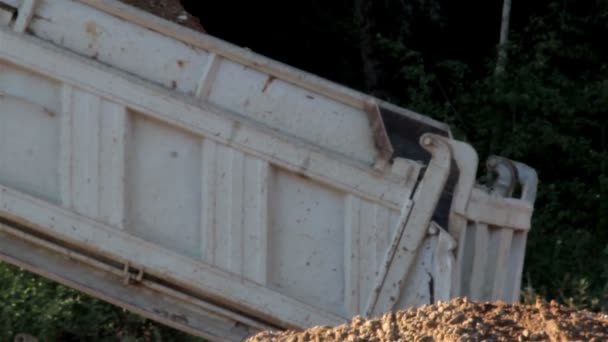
363	17
504	37
499	125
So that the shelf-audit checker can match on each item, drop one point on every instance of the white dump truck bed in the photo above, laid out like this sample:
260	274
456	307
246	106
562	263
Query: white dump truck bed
223	193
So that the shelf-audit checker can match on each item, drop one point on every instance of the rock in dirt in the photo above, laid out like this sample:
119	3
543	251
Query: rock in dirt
461	320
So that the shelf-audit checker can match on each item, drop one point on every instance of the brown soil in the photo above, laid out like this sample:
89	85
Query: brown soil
462	320
168	9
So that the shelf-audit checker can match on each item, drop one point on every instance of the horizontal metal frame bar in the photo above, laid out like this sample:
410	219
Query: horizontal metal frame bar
209	282
103	281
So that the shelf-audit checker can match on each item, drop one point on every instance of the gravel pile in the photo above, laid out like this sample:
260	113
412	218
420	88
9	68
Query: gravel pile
461	320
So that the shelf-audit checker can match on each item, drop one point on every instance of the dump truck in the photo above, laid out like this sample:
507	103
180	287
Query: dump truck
223	193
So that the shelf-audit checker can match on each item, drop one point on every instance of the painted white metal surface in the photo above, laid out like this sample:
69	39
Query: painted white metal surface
243	192
195	70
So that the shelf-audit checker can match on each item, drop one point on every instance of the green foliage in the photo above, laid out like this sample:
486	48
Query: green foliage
52	312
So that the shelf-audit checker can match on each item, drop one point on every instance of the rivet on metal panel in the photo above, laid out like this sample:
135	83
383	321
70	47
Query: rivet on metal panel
427	141
433	228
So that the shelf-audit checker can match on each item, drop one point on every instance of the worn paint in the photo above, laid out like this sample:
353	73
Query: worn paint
268	83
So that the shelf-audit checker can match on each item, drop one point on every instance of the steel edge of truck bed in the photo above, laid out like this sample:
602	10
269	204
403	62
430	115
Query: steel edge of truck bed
278	69
250	58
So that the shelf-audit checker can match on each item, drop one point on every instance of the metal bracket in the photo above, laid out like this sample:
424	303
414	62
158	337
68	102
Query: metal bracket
24	16
130	278
8	14
528	178
504	185
381	141
412	229
15	15
511	173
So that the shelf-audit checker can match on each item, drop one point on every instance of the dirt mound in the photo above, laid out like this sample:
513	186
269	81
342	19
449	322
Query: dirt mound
169	9
462	320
